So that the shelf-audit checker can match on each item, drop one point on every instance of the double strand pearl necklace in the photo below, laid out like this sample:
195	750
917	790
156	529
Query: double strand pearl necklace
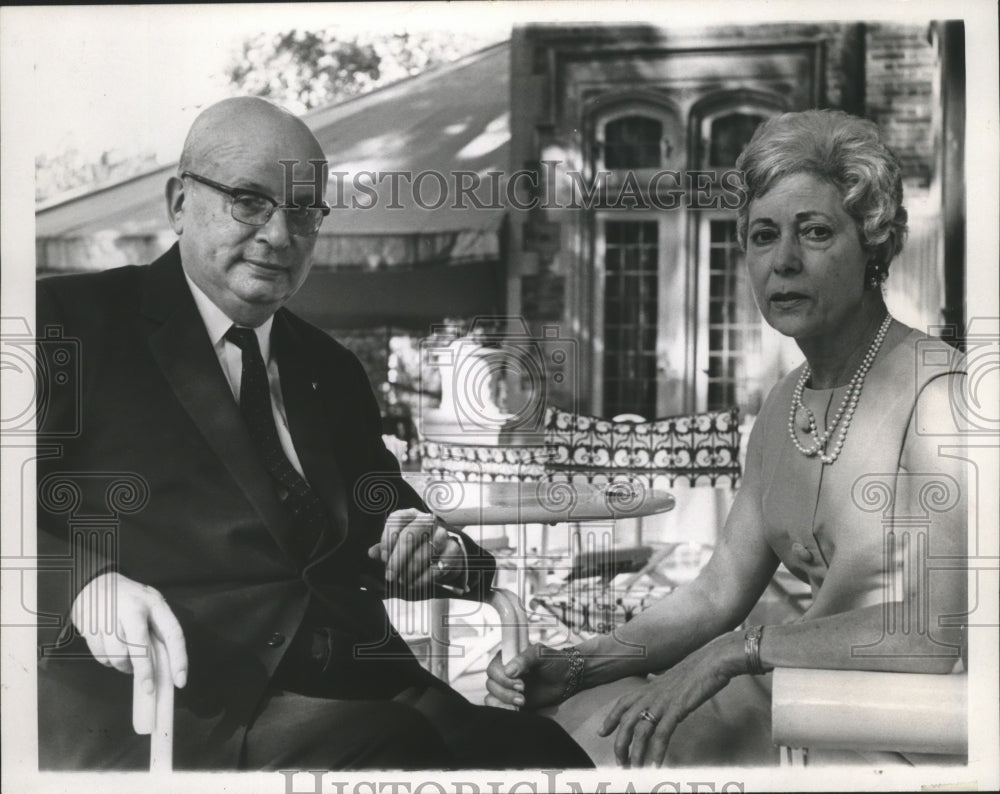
845	411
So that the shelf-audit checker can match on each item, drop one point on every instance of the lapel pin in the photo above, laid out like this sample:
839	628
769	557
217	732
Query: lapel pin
315	385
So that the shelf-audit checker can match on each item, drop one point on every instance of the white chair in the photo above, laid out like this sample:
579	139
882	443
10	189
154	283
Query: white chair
817	715
154	716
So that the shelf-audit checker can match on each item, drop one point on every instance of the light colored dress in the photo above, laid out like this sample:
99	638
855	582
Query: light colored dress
830	526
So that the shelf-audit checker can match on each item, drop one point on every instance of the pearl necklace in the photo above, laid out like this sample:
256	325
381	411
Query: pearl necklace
845	411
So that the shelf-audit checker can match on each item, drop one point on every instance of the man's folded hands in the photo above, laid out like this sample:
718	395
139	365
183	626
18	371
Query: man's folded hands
419	552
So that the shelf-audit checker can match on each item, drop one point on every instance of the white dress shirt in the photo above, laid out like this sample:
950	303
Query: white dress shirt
231	360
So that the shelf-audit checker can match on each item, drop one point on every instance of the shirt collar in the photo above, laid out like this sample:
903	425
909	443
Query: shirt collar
217	322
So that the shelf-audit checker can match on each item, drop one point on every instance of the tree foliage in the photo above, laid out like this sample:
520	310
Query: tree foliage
302	69
70	170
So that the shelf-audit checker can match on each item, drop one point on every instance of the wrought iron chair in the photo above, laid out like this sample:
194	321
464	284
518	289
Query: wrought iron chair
692	450
699	449
484	463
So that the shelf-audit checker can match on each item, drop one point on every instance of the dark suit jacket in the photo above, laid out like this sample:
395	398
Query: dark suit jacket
160	480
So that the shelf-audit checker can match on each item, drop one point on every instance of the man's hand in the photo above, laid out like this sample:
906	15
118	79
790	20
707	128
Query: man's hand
417	551
116	616
534	678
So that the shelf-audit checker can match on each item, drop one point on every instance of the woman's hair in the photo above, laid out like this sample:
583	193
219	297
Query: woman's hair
844	150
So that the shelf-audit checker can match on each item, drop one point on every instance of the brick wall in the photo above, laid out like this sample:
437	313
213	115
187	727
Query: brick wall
900	68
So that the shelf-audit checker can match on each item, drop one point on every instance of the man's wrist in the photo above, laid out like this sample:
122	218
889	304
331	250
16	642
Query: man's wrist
451	564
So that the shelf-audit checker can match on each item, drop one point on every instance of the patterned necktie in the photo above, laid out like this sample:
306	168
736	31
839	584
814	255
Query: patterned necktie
309	516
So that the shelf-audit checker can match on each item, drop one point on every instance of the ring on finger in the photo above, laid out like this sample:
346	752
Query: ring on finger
647	715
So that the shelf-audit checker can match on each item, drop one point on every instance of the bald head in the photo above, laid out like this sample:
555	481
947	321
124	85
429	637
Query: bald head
243	120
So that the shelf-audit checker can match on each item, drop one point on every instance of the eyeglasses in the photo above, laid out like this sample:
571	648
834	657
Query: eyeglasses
256	209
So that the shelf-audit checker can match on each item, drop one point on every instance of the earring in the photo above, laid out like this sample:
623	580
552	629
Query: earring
874	276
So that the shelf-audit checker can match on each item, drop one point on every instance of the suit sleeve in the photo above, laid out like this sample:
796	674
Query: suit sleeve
70	560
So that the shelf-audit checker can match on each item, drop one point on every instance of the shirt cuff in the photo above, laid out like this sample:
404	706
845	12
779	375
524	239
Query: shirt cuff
462	587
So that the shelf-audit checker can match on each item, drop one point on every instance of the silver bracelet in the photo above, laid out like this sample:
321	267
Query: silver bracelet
574	679
751	648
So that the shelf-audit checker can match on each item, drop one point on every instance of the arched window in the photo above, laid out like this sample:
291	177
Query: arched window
728	135
731	359
633	142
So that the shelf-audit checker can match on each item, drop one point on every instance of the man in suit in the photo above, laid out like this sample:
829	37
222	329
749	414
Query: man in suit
235	455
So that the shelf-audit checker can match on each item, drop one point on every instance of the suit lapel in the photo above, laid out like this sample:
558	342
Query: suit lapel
181	347
309	411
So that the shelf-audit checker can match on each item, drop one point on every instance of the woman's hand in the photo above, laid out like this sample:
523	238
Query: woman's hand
669	698
532	679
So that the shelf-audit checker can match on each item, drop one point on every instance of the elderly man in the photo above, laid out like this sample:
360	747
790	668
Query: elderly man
248	446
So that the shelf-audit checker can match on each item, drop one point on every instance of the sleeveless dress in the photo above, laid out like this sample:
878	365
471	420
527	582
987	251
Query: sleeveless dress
828	524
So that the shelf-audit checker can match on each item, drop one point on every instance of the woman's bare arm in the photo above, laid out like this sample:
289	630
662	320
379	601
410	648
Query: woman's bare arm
720	597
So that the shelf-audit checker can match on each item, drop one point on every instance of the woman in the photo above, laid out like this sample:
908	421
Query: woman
834	441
